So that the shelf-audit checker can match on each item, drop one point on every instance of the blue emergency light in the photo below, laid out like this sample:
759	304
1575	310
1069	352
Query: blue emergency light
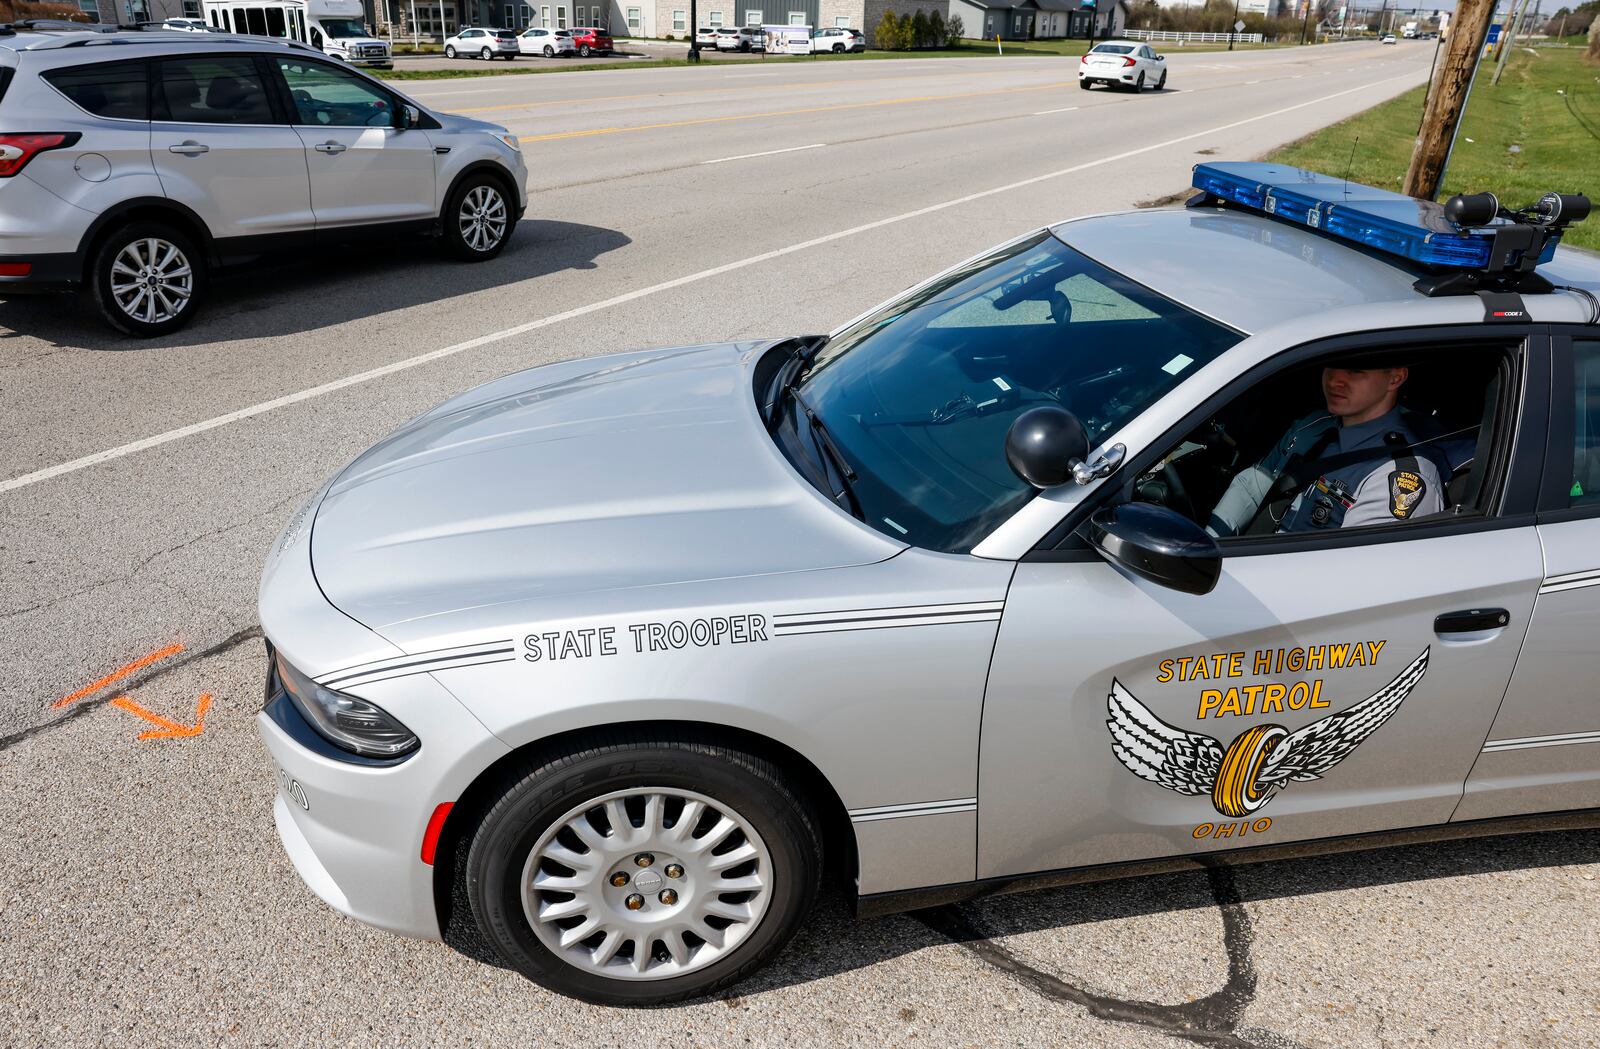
1377	218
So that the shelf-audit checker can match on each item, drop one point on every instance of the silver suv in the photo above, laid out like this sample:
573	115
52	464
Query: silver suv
145	161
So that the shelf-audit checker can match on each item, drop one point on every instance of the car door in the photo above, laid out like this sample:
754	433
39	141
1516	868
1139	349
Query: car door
222	150
1331	683
364	169
1543	753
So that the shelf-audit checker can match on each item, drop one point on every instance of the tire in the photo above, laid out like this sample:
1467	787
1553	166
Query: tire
1085	84
178	279
549	52
471	213
1138	85
486	54
1161	85
450	52
838	49
652	780
584	51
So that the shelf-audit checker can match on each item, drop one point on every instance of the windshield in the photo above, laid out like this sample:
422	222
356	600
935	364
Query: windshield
919	395
343	28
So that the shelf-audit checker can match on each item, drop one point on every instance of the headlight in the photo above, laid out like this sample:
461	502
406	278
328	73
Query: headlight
346	721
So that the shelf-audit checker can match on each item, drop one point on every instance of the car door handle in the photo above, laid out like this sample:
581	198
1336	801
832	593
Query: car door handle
330	147
1471	621
189	149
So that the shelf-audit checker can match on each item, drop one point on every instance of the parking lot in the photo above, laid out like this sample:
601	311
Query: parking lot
147	899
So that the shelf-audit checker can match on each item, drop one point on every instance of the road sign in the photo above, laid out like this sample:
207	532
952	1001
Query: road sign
1238	27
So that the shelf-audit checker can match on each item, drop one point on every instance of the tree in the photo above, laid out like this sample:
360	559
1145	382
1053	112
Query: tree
908	33
887	37
955	30
938	32
919	29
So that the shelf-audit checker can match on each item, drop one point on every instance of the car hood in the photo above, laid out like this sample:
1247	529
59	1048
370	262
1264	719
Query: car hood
601	474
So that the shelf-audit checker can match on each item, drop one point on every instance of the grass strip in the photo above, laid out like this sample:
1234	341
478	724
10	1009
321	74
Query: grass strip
1537	131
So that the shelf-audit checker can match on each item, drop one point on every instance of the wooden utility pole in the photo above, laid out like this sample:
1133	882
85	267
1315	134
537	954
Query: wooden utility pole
1508	39
1453	79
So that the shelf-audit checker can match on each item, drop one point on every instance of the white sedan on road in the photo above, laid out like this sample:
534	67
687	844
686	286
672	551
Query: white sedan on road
1123	63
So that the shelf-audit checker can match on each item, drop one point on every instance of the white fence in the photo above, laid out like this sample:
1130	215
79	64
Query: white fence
1191	38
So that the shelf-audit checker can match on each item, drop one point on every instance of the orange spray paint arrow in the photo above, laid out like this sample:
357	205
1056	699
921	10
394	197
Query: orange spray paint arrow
116	675
167	729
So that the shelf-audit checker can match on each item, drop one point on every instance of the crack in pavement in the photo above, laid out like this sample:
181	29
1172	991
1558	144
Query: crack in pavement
232	641
1211	1020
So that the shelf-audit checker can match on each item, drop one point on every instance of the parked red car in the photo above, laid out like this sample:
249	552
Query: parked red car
591	40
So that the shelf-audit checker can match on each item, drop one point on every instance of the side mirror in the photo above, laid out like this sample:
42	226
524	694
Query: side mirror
409	117
1044	443
1157	544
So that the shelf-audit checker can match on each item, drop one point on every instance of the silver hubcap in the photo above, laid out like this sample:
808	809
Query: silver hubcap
646	884
151	280
483	218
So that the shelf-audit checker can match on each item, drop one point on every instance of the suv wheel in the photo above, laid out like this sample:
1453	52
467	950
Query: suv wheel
477	219
584	51
148	279
644	870
486	54
450	52
549	52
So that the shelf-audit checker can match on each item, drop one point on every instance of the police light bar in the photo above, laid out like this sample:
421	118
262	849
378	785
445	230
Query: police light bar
1376	218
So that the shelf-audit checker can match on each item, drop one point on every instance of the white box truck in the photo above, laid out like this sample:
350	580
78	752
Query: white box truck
1409	31
334	27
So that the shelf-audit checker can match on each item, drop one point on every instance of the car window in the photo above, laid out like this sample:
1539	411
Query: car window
1385	438
328	96
919	395
1586	421
1112	49
106	89
223	89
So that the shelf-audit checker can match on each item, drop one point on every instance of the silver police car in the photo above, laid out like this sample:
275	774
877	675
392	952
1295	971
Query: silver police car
1215	533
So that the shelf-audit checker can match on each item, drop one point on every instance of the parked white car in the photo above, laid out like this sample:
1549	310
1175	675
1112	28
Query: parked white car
838	41
1123	63
740	38
706	36
547	42
483	43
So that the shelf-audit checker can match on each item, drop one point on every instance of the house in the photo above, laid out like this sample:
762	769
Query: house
1040	19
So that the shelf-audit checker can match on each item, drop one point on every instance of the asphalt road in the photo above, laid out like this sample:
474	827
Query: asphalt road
146	899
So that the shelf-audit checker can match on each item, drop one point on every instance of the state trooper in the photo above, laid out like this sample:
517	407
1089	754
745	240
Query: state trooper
1361	462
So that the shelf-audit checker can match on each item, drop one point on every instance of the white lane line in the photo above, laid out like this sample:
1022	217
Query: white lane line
157	440
1247	83
1047	112
768	153
735	76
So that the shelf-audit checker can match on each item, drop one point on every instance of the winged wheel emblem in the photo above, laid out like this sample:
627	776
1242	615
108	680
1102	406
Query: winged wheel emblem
1261	761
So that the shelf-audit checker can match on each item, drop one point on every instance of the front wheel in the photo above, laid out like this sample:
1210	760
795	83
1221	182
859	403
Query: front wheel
148	279
477	219
644	870
449	52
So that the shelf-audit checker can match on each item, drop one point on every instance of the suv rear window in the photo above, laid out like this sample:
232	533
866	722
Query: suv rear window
106	89
506	34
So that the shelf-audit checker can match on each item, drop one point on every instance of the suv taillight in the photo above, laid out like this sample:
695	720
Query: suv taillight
17	150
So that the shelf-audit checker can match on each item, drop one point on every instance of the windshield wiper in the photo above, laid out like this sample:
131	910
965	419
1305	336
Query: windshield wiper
801	353
845	494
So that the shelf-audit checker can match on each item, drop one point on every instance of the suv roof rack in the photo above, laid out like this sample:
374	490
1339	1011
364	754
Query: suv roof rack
1467	245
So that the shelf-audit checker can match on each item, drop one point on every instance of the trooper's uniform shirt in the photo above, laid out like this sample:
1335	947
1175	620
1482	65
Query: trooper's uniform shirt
1396	483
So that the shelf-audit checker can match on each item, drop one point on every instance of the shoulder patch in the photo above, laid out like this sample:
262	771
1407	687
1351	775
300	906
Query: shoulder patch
1406	488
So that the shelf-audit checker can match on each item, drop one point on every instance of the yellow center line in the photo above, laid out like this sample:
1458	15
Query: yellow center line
710	91
789	112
